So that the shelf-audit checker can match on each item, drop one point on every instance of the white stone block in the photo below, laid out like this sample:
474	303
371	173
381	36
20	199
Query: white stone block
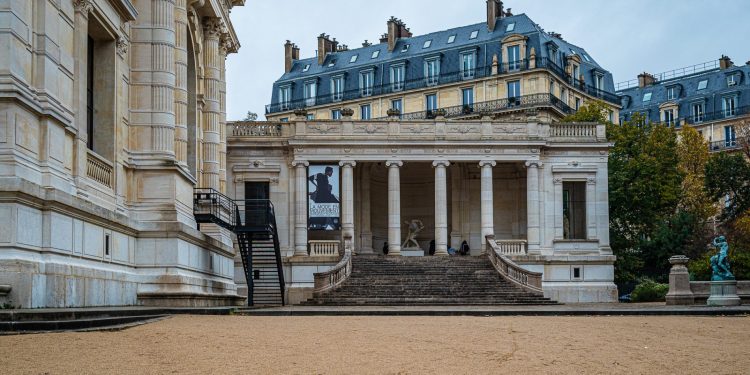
29	229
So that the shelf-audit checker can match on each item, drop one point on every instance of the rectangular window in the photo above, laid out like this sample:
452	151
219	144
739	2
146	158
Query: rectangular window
730	139
576	72
669	117
353	59
647	97
432	71
468	65
284	97
729	106
467	96
552	88
336	114
697	112
310	93
397	77
574	210
375	54
284	119
510	27
337	88
431	102
366	82
731	80
671	93
405	48
564	96
310	116
578	104
514	91
599	82
397	104
514	58
451	39
306	68
702	84
364	112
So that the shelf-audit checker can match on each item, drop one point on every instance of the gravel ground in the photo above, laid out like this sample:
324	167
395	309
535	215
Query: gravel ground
391	345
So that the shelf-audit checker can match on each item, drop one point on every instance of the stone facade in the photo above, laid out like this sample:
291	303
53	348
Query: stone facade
111	111
540	188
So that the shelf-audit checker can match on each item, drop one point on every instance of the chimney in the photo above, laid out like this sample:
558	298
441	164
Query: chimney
325	46
645	80
725	62
556	35
494	11
291	54
384	38
366	43
396	30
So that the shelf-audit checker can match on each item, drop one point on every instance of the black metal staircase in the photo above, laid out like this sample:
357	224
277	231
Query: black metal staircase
253	221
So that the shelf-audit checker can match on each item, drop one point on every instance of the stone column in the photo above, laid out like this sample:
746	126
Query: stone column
300	207
80	47
212	28
394	207
441	207
225	45
364	198
347	198
591	208
487	209
181	82
533	216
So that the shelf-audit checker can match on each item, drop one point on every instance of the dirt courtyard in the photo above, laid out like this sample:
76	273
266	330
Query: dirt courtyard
391	345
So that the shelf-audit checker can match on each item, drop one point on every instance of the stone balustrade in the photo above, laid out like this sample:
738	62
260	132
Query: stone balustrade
511	247
530	281
99	169
331	279
428	130
324	248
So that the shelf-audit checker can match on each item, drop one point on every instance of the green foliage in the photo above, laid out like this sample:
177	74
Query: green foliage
692	152
729	174
649	291
596	111
739	264
683	233
700	267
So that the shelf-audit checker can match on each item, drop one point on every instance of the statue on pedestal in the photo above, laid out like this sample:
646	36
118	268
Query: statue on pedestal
415	226
720	261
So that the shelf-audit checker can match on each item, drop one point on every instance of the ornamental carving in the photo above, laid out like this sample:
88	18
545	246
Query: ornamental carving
463	129
82	6
369	129
213	27
323	128
416	129
122	46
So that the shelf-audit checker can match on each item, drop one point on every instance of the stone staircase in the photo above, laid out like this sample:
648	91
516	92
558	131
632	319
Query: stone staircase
377	280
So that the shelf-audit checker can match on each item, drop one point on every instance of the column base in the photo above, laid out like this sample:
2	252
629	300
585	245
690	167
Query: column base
394	251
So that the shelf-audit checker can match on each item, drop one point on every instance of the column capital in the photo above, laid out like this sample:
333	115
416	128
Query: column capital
394	163
213	27
441	163
348	163
83	6
591	181
534	164
300	163
486	163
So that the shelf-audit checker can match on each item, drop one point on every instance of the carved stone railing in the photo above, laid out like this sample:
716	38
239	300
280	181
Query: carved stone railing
99	169
511	247
509	270
331	279
574	130
258	129
324	248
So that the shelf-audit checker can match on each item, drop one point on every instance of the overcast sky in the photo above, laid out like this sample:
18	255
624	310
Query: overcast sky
626	37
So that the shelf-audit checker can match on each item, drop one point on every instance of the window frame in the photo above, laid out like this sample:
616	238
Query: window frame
337	95
464	97
697	116
398	85
285	97
474	34
732	110
514	65
368	112
517	87
672	93
668	117
313	94
510	27
470	73
375	54
451	39
434	79
353	59
703	83
336	114
427	102
364	90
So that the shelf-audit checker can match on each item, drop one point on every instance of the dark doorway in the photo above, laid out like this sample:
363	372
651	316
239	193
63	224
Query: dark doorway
257	205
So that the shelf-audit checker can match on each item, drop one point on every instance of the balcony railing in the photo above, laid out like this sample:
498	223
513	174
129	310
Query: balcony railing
511	247
446	78
725	145
99	169
493	106
258	129
697	118
324	248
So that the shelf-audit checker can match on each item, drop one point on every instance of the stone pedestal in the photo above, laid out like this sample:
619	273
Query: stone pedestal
679	282
412	252
724	293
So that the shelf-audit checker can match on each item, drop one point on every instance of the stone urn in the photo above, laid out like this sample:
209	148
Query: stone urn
300	113
393	112
347	112
679	282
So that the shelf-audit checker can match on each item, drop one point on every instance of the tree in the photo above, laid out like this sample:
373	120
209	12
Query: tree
596	111
728	176
251	116
692	152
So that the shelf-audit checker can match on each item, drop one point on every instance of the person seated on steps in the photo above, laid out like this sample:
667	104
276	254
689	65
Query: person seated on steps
432	248
385	248
464	250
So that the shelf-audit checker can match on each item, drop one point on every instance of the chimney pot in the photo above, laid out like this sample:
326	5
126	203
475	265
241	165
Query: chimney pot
646	80
725	62
494	11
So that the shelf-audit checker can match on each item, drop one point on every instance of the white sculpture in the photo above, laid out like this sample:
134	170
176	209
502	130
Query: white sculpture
415	226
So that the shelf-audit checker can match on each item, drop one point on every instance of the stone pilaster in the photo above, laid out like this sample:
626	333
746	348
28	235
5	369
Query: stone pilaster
365	242
533	215
486	201
591	208
441	207
300	207
181	82
225	46
80	47
212	28
347	198
456	205
394	207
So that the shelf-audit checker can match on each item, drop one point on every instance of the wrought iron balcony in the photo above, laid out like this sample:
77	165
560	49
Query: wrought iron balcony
492	106
695	118
445	78
725	145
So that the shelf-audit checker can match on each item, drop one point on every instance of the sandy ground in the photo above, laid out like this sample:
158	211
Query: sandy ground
389	345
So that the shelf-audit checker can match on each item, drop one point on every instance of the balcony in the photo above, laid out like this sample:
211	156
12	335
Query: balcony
446	78
99	169
725	145
495	106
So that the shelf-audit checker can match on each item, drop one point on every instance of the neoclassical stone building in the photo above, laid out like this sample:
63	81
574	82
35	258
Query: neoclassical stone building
362	144
111	112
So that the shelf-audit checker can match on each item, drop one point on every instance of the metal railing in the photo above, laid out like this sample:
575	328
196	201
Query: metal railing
675	73
444	78
725	145
492	106
99	169
694	118
509	270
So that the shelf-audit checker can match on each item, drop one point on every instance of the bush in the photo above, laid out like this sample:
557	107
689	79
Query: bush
649	291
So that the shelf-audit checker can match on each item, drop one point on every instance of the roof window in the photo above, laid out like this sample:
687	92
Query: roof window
353	59
647	97
702	84
405	48
586	57
375	54
332	63
427	44
451	38
306	68
510	27
474	34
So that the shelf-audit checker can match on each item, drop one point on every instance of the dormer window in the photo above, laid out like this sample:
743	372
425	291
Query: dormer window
306	68
366	82
474	34
702	84
427	44
732	80
405	48
451	39
432	71
599	81
284	97
586	57
375	54
647	97
671	93
337	88
332	64
353	59
510	27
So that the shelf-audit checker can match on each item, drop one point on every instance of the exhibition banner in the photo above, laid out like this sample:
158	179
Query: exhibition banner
323	201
